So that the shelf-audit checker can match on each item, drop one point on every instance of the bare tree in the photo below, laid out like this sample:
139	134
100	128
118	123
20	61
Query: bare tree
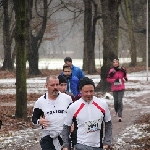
8	34
136	19
131	35
87	33
148	33
35	36
20	38
90	20
110	16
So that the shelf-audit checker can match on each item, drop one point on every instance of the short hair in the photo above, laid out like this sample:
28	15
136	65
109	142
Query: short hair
68	59
66	66
51	77
62	79
86	81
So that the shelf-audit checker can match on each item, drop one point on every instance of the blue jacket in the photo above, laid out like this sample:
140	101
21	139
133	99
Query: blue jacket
73	85
77	72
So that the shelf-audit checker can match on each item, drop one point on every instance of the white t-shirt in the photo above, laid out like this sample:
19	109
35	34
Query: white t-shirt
54	111
89	117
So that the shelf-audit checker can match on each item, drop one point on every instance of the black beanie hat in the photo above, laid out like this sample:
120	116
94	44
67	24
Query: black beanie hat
68	59
62	79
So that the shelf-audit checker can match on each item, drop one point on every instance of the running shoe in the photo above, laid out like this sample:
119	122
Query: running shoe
119	119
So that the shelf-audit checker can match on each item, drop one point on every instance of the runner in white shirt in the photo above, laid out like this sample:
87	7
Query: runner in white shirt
63	89
89	114
49	112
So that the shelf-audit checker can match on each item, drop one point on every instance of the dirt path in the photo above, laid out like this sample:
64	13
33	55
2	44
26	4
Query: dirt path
130	114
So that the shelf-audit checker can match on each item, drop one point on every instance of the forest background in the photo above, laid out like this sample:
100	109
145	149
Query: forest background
33	30
90	29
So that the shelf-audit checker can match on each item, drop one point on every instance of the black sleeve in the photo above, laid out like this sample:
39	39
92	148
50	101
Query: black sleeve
111	74
74	137
37	113
124	71
74	133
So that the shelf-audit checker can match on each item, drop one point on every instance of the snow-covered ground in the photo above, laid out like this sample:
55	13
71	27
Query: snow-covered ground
137	83
37	85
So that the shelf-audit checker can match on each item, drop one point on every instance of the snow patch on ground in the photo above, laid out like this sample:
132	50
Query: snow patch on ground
25	138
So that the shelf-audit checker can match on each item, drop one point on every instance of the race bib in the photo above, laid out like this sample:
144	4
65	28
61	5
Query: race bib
118	83
92	126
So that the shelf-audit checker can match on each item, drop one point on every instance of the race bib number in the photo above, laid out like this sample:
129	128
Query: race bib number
92	126
118	83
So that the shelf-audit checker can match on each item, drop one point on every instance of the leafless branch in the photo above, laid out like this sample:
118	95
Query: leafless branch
74	11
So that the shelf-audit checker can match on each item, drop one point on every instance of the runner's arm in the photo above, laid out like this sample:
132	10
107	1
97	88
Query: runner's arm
37	113
65	135
108	133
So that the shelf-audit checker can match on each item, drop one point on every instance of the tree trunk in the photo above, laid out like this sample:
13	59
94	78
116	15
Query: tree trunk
110	16
33	58
95	18
87	65
32	46
7	64
149	33
35	41
87	31
21	90
131	35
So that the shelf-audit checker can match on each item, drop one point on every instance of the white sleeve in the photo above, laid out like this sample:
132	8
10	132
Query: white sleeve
107	113
70	100
69	116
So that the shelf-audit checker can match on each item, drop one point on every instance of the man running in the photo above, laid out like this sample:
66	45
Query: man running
89	114
49	112
76	71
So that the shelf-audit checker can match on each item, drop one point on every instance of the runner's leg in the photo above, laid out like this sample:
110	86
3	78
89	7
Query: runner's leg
120	103
47	143
115	95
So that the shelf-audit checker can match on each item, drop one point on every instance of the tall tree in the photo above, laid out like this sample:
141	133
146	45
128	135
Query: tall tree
131	35
96	16
87	33
148	32
35	39
20	38
8	34
110	17
90	20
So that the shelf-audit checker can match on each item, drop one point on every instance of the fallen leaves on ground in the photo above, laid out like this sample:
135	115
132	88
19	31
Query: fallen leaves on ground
7	113
12	97
143	143
10	123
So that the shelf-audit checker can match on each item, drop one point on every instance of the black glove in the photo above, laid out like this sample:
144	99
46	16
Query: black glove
126	79
123	70
117	80
112	73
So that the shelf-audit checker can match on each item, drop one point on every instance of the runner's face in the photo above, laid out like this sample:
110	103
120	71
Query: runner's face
62	87
52	87
67	72
87	92
115	63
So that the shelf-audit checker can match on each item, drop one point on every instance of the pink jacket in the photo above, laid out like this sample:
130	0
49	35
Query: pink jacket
119	74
